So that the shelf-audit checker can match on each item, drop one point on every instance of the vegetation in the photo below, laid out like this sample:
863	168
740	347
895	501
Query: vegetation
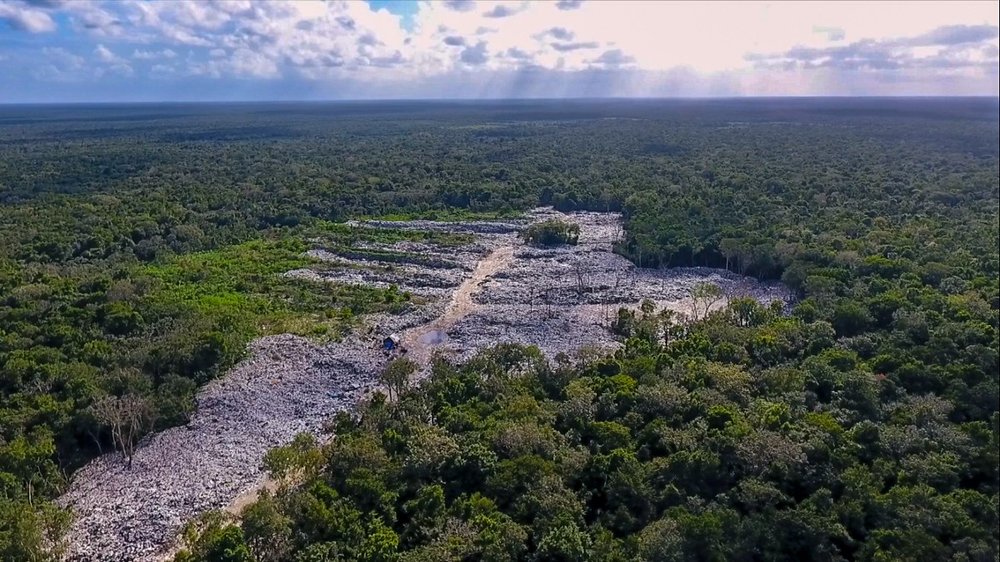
448	215
703	449
349	236
143	246
93	356
552	232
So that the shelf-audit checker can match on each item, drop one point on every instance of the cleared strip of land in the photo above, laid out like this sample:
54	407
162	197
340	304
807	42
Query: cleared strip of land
494	289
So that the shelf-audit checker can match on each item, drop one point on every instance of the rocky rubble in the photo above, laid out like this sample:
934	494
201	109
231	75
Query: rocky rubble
564	298
286	386
561	299
470	227
427	281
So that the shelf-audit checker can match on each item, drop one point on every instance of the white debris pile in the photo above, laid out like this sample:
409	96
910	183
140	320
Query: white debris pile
427	270
576	275
287	385
591	273
554	330
563	298
469	227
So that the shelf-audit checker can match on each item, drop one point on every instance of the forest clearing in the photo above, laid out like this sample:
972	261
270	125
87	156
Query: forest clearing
496	288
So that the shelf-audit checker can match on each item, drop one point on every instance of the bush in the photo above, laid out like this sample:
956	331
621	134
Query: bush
552	232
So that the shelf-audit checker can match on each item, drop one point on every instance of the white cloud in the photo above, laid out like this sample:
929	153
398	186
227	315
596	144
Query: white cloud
160	71
104	54
613	58
475	55
22	17
140	54
112	64
947	50
243	63
637	45
58	64
246	62
93	19
504	10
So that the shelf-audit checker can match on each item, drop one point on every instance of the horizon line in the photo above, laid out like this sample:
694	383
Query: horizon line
511	99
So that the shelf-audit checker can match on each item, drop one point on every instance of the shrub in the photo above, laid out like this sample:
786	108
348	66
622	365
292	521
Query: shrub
552	232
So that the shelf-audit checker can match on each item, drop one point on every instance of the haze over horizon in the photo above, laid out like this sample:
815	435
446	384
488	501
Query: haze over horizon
134	51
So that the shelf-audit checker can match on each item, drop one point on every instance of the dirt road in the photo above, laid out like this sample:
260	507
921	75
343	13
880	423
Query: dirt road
416	340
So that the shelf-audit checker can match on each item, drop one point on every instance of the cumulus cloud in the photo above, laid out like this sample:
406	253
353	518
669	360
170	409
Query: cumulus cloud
269	39
560	33
46	3
22	17
501	11
104	54
953	35
346	22
947	47
518	54
454	40
246	63
97	20
161	71
395	59
369	40
140	54
460	5
59	65
569	4
111	63
475	55
566	47
613	58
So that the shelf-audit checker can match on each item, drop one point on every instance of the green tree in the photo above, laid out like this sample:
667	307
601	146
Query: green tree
396	376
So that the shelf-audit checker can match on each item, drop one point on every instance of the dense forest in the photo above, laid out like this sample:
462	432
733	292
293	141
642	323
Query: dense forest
142	246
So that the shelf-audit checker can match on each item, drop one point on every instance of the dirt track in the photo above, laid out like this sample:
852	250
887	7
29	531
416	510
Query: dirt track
460	305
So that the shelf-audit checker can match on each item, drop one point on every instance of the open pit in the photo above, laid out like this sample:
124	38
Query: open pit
491	290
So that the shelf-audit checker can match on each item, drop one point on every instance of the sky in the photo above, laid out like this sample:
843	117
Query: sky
243	50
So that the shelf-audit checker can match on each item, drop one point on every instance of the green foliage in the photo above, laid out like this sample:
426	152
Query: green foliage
270	531
77	339
551	232
396	376
214	538
448	215
32	533
299	459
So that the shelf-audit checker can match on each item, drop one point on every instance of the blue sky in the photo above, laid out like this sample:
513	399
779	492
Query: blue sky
191	50
406	9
